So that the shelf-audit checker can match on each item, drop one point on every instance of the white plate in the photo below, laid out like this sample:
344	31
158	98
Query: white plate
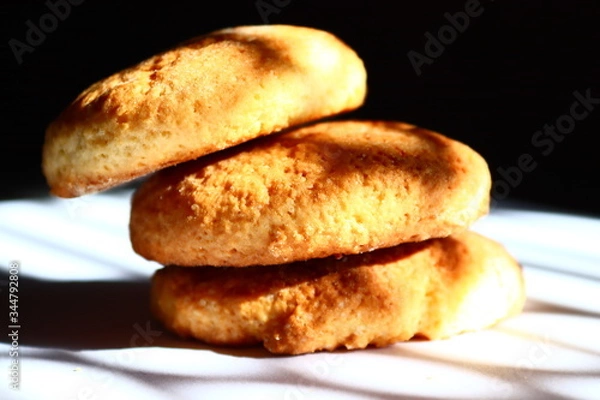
85	331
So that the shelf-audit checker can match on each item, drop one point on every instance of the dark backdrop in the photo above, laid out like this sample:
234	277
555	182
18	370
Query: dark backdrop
500	85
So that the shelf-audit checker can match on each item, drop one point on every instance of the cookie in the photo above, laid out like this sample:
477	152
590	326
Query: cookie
433	289
204	95
340	187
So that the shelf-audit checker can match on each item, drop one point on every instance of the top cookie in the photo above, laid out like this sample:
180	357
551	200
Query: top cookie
207	94
342	187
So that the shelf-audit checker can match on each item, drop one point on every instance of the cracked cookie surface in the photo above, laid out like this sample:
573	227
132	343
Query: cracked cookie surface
342	187
204	95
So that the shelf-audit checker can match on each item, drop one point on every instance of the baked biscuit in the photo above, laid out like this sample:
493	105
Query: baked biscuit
207	94
434	289
341	187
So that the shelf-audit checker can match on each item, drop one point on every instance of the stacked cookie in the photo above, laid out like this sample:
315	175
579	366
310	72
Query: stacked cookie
275	226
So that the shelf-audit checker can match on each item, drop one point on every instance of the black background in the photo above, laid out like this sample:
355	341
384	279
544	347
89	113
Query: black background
513	70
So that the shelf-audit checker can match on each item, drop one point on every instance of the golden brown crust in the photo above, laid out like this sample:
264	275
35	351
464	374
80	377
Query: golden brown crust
340	187
433	289
207	94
